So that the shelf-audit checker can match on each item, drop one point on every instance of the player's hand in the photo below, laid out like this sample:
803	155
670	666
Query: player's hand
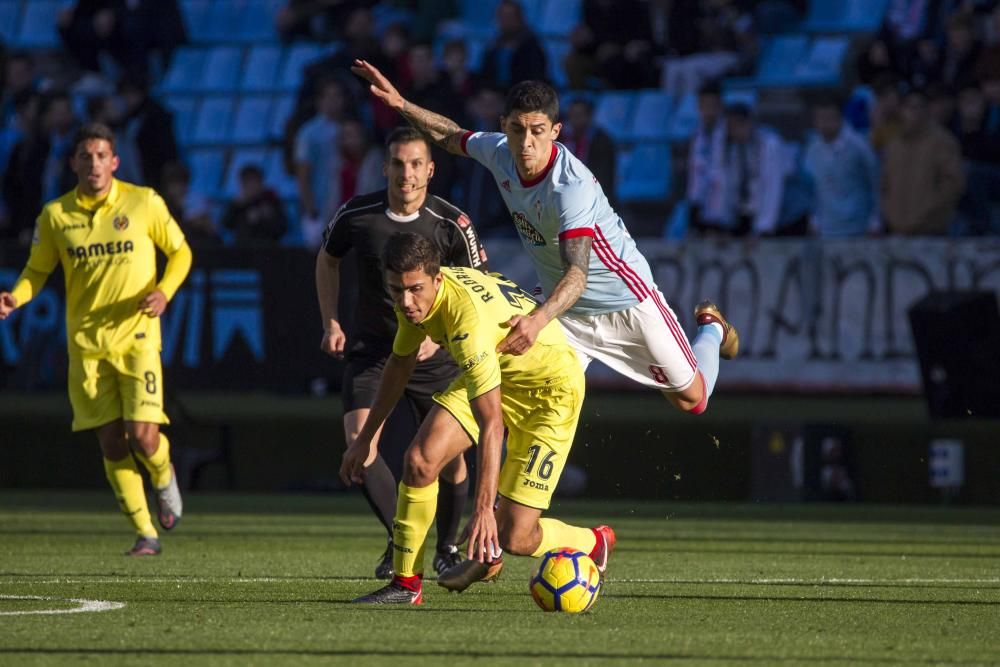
427	349
523	333
154	303
333	341
357	457
7	304
483	536
381	87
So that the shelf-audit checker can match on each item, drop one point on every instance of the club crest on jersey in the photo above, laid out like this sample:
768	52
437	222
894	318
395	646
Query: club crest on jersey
120	223
506	185
525	229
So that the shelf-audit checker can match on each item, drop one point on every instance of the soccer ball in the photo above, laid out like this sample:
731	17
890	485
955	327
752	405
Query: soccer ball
566	580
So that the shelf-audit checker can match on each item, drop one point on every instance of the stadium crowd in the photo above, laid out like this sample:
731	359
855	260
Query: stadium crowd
909	144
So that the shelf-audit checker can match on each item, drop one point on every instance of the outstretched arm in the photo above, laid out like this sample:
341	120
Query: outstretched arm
443	131
524	330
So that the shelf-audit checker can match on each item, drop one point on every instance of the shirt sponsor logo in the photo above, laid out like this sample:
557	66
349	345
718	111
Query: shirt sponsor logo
120	223
475	251
526	230
75	225
463	221
100	249
472	361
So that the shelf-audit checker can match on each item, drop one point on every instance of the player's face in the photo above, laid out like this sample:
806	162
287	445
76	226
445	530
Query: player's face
530	136
408	170
94	164
413	292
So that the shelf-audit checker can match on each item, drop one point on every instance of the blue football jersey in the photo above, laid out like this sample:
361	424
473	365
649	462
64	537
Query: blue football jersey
564	202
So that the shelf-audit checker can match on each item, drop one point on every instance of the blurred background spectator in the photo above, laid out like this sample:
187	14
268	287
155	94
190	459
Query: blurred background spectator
516	54
256	215
591	144
191	210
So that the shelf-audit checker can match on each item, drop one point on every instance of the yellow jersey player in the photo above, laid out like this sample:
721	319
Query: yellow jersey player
537	396
105	233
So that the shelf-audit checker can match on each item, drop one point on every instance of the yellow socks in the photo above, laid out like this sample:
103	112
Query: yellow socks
415	511
126	482
556	534
158	464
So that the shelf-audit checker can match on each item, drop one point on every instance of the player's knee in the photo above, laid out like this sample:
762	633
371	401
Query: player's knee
419	470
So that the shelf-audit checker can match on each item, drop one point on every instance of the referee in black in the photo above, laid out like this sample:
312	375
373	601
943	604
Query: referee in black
365	223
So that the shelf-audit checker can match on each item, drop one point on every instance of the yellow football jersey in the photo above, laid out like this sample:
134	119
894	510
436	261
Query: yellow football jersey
108	256
468	318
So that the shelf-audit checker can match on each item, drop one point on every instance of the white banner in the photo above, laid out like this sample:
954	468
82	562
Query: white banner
824	316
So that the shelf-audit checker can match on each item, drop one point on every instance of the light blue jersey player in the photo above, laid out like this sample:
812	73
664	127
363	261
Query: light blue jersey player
593	277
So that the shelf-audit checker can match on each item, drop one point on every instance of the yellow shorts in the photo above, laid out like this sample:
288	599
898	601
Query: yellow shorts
128	386
540	425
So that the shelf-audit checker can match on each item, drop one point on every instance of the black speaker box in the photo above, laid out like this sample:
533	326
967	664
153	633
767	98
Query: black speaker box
957	338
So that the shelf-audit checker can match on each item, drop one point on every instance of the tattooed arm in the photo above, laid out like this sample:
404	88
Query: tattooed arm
443	131
575	253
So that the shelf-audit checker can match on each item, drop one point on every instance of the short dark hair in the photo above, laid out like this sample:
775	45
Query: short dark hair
828	101
406	251
529	96
251	169
711	88
90	131
404	135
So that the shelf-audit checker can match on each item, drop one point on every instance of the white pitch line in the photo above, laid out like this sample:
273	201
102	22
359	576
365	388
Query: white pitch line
840	581
83	607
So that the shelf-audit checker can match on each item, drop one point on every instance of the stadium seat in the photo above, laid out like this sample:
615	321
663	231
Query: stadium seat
479	12
261	71
558	17
213	122
185	70
533	10
840	16
779	59
296	59
184	110
613	112
644	173
651	120
282	111
9	12
822	65
37	29
221	71
206	170
240	157
684	119
255	23
250	123
195	15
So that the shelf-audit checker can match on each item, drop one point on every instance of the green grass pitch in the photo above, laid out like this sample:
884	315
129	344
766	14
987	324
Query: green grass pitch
267	580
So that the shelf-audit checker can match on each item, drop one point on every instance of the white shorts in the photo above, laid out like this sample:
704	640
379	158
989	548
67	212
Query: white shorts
644	343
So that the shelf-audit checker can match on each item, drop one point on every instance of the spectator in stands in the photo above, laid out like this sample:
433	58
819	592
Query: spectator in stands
886	118
424	16
922	178
844	172
360	163
723	41
38	169
146	141
191	210
462	82
19	77
747	178
24	126
134	37
941	103
876	61
709	135
317	160
612	47
961	52
516	54
981	152
475	191
591	144
257	214
320	20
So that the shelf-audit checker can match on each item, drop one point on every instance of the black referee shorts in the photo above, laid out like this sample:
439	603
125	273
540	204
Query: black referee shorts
362	375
